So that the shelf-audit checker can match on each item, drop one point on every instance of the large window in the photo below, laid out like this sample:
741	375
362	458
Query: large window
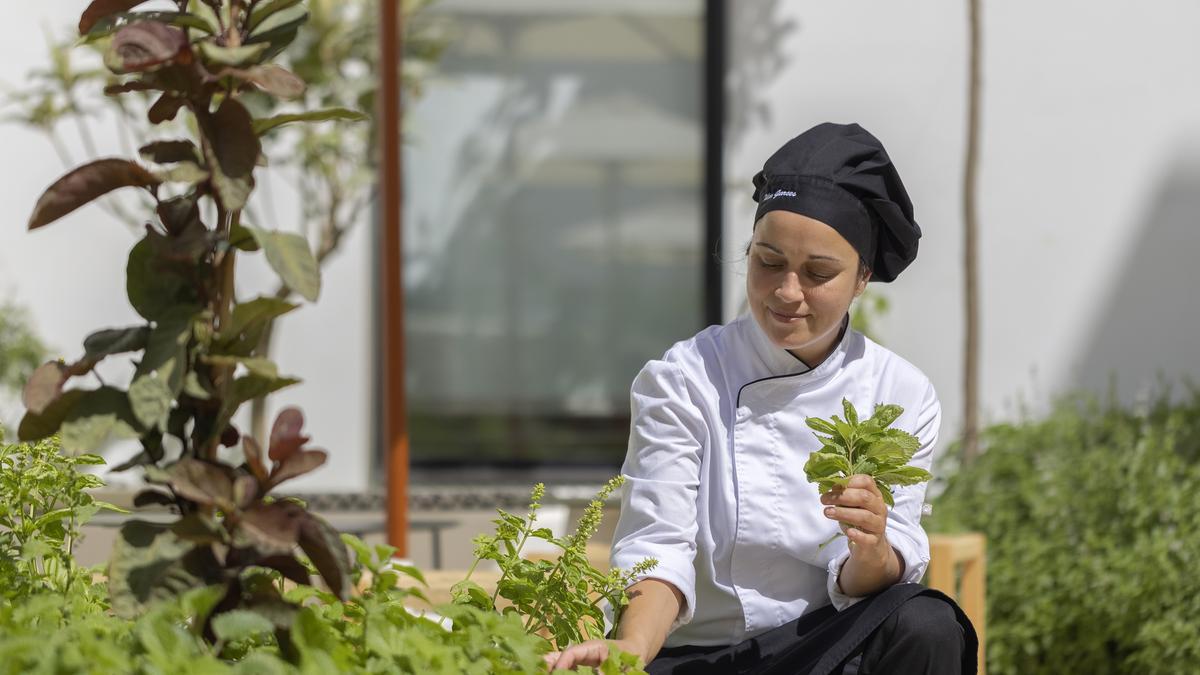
554	223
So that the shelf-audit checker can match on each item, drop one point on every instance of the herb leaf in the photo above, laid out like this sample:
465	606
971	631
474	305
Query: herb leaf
871	447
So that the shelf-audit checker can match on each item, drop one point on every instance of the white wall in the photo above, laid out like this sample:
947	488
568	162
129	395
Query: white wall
1090	169
1091	140
71	275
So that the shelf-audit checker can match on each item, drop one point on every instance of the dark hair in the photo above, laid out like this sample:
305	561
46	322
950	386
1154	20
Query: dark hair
863	268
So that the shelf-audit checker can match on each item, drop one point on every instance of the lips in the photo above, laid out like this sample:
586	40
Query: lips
783	316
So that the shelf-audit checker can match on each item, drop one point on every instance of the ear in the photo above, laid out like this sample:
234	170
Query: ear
860	286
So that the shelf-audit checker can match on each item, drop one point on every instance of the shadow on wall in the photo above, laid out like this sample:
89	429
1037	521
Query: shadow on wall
1144	335
757	54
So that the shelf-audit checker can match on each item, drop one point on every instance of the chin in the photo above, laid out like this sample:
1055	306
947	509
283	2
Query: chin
792	343
790	339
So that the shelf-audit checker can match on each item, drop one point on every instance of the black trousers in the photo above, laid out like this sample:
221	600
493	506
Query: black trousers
906	629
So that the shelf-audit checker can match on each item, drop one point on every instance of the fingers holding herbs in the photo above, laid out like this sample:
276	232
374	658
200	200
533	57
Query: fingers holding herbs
859	463
859	509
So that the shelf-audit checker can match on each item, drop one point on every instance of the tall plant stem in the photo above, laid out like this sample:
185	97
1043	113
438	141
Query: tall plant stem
227	270
520	545
234	37
223	378
536	620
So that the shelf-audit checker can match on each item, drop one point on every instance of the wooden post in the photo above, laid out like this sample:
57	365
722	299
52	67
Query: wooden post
395	420
946	553
970	446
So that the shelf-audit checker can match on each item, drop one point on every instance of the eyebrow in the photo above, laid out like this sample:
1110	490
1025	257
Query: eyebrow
811	257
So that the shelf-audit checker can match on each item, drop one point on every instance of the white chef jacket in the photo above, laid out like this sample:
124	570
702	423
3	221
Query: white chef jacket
715	486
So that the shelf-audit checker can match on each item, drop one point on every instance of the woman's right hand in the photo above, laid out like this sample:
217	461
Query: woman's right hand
653	605
591	653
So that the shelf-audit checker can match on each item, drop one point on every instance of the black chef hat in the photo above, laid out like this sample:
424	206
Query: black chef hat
840	175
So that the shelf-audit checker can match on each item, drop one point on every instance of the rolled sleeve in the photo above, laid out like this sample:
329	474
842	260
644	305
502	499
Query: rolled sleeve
662	475
904	531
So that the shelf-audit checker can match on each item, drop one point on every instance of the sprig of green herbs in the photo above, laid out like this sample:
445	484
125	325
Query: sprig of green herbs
870	446
560	598
46	501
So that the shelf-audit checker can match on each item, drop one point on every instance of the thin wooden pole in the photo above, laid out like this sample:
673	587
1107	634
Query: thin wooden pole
971	243
395	420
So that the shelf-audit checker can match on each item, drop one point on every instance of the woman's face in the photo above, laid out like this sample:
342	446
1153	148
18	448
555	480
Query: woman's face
801	279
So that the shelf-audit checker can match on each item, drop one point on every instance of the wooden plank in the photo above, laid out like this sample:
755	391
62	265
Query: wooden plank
959	547
942	566
974	600
950	554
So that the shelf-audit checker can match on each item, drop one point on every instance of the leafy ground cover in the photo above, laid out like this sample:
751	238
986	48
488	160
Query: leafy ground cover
58	617
1092	516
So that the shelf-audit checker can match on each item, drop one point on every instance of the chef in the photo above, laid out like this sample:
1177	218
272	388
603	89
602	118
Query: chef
715	486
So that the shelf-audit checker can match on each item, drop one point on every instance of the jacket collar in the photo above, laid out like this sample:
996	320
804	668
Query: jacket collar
780	362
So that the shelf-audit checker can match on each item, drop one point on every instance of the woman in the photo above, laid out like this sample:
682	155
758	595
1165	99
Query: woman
716	490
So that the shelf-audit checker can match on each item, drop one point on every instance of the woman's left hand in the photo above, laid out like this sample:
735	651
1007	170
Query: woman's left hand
862	514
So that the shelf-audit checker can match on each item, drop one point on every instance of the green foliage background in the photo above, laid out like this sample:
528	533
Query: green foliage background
20	349
1092	517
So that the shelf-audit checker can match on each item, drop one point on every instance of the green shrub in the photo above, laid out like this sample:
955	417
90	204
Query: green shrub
20	349
44	503
1092	517
55	617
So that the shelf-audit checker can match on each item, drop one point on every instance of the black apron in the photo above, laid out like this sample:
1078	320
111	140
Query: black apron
818	643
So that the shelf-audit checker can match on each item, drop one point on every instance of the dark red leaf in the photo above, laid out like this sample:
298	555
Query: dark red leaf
170	152
85	184
154	286
198	529
141	459
126	87
288	566
187	246
179	214
44	386
232	152
102	8
273	79
148	497
165	109
202	482
254	459
146	45
297	464
324	547
286	438
115	341
245	490
274	528
105	343
36	426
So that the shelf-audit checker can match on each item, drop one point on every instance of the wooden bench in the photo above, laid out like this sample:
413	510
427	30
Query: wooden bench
958	568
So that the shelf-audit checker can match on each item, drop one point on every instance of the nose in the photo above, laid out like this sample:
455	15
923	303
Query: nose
790	290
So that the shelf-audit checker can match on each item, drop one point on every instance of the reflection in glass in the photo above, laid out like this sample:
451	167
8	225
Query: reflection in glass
553	224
